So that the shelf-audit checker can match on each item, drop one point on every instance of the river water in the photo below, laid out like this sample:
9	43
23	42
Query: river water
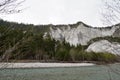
97	72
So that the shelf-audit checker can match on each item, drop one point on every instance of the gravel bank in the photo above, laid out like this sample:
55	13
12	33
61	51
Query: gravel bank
42	65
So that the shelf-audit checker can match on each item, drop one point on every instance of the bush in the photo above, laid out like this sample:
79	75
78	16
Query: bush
103	57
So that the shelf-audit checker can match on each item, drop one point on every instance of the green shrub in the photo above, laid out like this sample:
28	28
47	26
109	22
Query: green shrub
103	57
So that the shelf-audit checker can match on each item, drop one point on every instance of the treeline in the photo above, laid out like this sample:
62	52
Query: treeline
25	27
20	44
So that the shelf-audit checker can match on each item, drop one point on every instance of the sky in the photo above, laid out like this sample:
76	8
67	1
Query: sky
58	12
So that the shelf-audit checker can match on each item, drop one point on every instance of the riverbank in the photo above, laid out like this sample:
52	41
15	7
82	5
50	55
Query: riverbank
42	65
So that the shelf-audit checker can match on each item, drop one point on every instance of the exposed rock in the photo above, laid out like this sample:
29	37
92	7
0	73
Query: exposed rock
81	33
104	46
117	32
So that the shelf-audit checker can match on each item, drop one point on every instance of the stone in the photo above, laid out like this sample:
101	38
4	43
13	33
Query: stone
104	46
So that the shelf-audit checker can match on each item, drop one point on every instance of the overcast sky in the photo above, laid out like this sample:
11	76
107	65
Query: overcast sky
58	12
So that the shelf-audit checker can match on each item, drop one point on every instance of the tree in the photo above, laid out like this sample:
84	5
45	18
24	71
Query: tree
111	12
10	6
110	16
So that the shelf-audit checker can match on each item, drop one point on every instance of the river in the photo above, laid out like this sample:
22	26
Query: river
96	72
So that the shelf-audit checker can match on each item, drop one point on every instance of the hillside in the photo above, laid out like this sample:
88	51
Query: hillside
58	42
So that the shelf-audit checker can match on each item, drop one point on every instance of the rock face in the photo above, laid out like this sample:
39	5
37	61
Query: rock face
82	33
104	46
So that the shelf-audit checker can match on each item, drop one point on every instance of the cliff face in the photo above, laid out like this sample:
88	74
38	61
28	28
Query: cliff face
104	46
81	33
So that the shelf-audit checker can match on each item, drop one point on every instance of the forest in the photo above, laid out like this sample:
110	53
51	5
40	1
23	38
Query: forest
27	42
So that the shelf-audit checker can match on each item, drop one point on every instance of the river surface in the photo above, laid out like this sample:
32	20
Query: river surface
96	72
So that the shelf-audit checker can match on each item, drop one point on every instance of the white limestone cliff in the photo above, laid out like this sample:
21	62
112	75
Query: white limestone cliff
80	34
104	46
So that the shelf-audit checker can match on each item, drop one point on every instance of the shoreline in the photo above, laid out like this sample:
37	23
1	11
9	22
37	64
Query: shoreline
42	65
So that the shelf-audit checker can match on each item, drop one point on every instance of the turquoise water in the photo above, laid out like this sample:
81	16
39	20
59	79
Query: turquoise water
98	72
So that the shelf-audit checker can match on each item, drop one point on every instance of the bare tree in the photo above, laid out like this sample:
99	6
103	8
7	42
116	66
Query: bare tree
110	16
10	6
111	12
